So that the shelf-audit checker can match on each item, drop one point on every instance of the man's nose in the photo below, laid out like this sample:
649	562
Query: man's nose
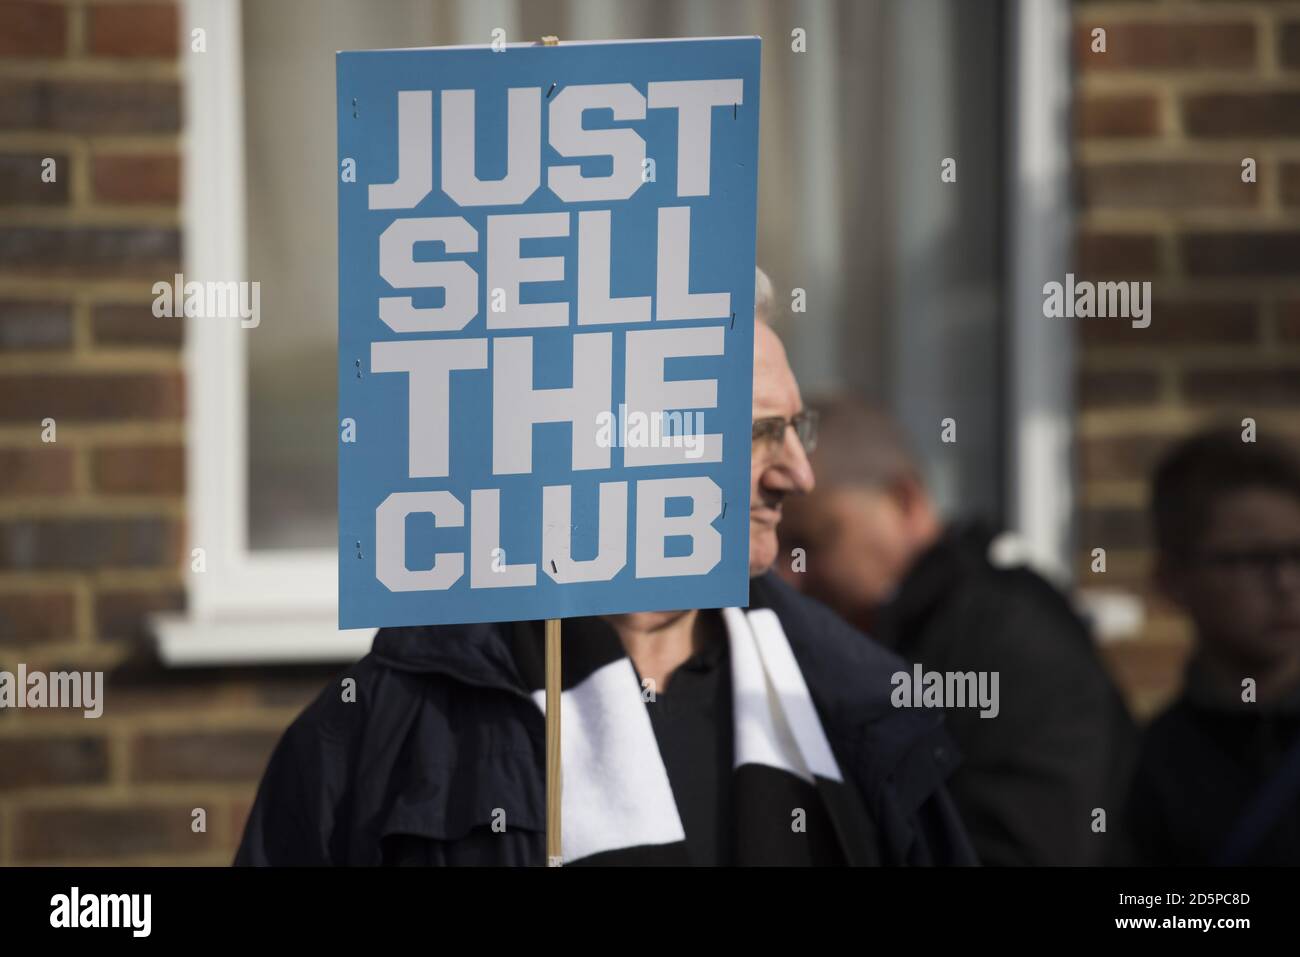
792	466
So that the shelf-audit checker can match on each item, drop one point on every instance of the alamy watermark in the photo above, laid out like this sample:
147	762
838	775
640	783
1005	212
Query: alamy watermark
651	430
1100	300
209	300
946	689
75	909
55	689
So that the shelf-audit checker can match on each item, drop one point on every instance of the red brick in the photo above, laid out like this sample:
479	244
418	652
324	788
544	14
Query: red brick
33	324
84	542
1226	115
1129	457
1104	388
1274	253
137	179
1166	185
52	761
1147	668
91	397
1290	190
121	324
1117	115
69	833
87	252
148	470
90	106
1113	528
1288	321
193	756
123	615
1288	52
238	819
30	617
1166	46
1117	255
1241	387
1180	322
21	182
32	29
294	688
133	30
40	470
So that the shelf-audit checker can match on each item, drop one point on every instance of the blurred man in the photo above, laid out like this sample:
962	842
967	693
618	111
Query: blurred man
690	737
1219	777
1050	752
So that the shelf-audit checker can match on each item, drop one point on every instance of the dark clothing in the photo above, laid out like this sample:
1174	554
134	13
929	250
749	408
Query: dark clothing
691	720
693	724
442	740
1062	742
1205	764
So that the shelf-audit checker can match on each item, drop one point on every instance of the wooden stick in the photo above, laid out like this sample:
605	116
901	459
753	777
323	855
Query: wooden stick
554	783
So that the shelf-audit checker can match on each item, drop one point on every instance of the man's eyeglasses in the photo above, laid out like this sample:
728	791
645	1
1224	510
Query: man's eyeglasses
769	432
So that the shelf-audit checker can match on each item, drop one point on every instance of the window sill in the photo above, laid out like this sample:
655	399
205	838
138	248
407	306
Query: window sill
186	642
1114	615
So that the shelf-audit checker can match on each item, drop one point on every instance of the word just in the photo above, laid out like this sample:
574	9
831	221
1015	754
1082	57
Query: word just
506	269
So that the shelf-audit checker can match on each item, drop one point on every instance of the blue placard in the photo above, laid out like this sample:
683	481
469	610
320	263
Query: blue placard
546	285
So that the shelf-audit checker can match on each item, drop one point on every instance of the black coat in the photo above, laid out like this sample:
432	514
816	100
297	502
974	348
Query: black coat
1206	764
1062	744
442	732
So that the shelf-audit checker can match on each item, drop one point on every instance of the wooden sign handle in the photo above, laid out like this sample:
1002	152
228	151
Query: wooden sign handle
554	783
554	856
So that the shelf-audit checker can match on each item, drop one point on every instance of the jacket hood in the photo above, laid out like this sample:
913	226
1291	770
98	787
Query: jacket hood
474	654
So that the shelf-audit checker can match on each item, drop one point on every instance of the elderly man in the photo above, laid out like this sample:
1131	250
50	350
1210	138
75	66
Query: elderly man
709	737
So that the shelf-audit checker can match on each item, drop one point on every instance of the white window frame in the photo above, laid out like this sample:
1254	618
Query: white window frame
1040	401
245	606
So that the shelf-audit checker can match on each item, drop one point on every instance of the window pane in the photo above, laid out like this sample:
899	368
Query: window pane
901	274
289	51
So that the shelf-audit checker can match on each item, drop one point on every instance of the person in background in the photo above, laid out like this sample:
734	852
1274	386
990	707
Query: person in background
874	547
1218	779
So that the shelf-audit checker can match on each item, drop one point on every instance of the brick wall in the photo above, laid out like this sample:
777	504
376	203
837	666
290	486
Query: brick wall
92	525
1184	92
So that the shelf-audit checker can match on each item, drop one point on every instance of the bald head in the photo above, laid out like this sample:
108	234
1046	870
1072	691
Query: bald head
871	515
861	445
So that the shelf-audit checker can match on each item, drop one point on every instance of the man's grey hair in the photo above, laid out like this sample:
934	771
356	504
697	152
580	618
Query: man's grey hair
764	297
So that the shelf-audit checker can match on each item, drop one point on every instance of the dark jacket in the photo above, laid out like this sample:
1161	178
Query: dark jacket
1062	743
442	733
1218	781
